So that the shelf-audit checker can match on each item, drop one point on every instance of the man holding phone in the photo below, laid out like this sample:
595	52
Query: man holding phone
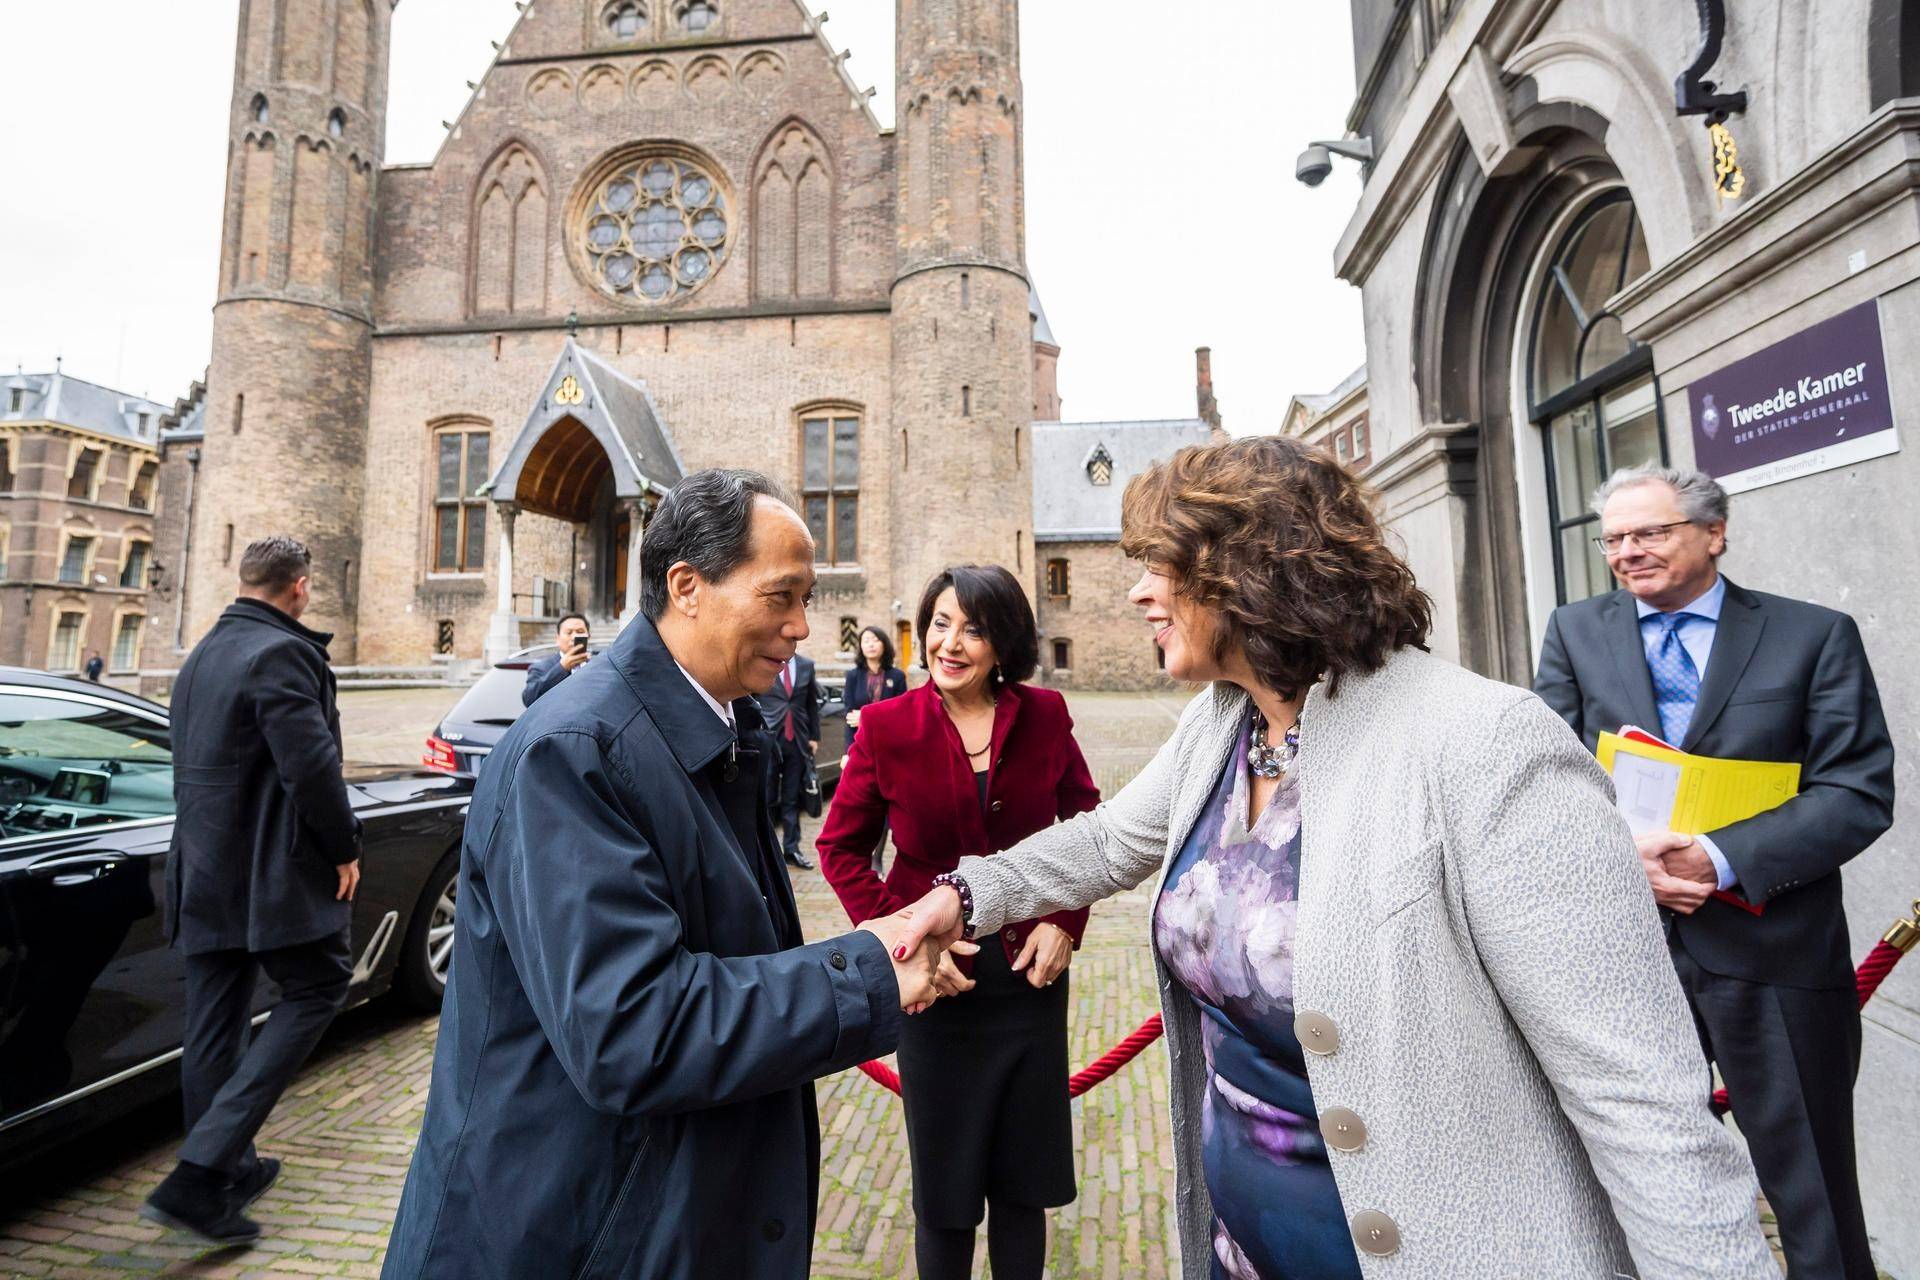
548	672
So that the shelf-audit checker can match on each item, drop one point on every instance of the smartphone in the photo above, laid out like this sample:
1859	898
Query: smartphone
579	644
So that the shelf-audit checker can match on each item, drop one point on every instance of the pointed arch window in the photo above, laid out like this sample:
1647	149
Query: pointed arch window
1591	388
698	16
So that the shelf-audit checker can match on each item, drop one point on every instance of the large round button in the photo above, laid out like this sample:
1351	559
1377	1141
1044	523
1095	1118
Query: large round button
996	806
1343	1130
1375	1233
1316	1033
772	1229
837	959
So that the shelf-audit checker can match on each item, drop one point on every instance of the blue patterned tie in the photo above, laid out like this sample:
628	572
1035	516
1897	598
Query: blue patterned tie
1676	681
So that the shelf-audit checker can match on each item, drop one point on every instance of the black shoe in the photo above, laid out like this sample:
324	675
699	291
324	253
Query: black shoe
255	1182
199	1202
799	860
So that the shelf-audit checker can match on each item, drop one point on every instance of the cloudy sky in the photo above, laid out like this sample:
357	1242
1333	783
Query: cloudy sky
1163	213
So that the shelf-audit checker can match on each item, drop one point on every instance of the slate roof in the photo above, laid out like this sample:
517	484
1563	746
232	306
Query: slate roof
74	402
1067	505
621	414
1042	331
1320	404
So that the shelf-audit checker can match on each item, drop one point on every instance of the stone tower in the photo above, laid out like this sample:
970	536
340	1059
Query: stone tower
963	341
287	393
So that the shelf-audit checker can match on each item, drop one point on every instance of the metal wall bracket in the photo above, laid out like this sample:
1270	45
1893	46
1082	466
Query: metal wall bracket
1693	94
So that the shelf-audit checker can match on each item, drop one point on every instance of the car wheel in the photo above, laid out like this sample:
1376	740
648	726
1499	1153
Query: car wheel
428	956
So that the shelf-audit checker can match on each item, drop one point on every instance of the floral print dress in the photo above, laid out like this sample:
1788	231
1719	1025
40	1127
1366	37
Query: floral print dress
1224	925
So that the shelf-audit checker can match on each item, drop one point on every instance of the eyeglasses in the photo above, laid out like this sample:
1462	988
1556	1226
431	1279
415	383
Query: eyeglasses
1654	535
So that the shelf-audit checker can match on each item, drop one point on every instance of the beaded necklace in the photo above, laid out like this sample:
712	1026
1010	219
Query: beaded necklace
1265	759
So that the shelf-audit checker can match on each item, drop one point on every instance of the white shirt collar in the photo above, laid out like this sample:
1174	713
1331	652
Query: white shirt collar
1707	606
719	708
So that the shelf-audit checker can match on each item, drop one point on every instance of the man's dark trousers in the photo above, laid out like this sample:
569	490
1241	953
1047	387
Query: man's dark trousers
1772	995
230	1086
786	775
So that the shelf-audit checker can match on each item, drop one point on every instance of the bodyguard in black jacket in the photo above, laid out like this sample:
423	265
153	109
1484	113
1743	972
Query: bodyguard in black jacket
622	1085
260	878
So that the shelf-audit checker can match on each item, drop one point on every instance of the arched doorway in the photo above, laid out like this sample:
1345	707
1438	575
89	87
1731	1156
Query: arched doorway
594	457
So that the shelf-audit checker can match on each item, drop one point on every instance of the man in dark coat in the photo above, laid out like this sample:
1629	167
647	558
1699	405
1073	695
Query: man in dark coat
260	878
1721	671
791	710
622	1085
545	674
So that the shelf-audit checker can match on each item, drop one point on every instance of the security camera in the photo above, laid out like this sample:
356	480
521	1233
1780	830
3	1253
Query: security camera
1313	166
1316	162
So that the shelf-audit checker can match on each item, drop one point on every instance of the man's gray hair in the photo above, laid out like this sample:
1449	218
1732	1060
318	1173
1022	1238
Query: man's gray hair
1702	500
274	563
707	522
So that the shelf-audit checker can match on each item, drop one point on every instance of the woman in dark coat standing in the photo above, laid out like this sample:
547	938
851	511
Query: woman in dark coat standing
972	762
875	679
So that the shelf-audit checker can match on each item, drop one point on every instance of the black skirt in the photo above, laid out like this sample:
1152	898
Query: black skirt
984	1080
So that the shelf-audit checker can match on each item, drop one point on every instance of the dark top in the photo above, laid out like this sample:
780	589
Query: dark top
543	677
263	815
630	997
863	688
1224	925
1787	681
908	773
803	702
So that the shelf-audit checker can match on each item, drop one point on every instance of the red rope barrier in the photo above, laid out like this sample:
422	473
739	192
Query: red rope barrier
1081	1081
1873	971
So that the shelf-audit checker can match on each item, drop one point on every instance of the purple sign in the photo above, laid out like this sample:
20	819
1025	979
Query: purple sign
1812	402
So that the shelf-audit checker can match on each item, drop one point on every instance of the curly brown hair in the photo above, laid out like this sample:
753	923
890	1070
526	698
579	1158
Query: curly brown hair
1281	542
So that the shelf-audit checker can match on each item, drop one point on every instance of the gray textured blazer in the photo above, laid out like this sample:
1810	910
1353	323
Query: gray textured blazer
1478	947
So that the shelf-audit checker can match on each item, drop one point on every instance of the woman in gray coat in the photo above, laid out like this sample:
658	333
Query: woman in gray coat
1420	1010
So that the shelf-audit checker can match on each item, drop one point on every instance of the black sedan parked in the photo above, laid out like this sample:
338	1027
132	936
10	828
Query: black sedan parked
91	996
484	713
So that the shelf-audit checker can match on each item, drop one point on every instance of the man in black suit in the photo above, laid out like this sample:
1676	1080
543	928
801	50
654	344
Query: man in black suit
1721	671
791	710
545	674
260	879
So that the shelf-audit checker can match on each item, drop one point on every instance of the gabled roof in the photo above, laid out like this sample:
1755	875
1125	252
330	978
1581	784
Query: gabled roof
73	402
1067	505
619	416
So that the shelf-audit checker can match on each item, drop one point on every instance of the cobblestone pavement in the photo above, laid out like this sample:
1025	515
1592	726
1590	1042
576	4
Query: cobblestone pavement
346	1129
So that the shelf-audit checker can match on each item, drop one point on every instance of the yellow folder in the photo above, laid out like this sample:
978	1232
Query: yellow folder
1663	789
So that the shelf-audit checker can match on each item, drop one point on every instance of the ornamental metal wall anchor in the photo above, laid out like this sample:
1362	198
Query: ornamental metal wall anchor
1693	93
1729	180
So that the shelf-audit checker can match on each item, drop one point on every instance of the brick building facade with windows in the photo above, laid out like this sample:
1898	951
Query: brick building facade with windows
662	235
79	481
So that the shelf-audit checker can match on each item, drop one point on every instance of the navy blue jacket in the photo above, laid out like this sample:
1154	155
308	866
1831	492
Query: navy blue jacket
622	1085
262	815
543	676
805	704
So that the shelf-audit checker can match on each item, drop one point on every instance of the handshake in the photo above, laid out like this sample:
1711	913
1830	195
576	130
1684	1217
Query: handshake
922	940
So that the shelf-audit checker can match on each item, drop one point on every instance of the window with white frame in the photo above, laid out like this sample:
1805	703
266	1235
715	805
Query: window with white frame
65	653
1591	389
73	560
126	642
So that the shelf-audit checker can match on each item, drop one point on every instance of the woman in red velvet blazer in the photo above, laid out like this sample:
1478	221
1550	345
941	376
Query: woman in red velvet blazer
973	762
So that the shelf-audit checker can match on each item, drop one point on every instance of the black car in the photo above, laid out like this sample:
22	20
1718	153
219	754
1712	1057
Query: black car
482	716
91	996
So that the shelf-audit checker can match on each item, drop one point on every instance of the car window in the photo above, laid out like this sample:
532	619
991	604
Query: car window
493	699
67	763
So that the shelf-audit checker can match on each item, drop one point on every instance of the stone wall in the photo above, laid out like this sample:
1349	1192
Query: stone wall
1108	643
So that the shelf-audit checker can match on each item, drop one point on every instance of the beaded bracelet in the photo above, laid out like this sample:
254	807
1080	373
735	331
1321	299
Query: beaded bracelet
953	881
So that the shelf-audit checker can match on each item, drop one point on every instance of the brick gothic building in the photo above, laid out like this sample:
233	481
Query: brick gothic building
663	235
78	477
1564	271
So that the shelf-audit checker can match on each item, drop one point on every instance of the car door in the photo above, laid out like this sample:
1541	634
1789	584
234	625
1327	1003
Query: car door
89	990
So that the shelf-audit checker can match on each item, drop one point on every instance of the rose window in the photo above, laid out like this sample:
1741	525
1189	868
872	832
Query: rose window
655	230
